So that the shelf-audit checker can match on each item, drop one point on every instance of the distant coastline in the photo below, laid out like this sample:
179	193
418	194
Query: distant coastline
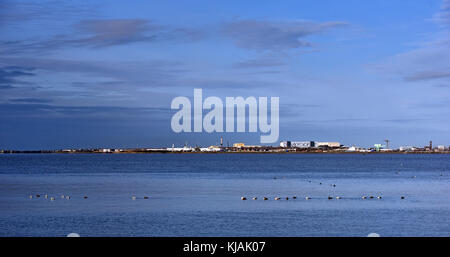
285	147
222	152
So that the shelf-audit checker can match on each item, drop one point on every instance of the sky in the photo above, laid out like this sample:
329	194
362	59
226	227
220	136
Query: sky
88	74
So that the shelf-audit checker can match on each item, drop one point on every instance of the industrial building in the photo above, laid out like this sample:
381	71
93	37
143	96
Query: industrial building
328	144
309	144
302	144
285	144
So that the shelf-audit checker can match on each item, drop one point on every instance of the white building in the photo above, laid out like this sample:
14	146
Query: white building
210	149
328	144
302	144
284	144
406	148
180	149
308	144
352	149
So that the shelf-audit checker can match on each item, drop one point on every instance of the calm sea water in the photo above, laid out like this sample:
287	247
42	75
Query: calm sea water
199	194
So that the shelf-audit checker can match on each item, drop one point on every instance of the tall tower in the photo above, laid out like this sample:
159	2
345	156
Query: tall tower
431	145
387	143
221	141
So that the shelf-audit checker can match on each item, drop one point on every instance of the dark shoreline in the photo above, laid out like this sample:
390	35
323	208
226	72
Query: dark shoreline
228	152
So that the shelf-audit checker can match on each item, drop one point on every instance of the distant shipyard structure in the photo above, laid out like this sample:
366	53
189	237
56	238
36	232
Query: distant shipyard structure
309	144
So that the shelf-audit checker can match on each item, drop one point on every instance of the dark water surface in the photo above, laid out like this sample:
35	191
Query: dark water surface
199	194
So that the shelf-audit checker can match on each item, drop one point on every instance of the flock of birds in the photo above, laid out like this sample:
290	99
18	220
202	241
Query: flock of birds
68	197
309	198
52	198
329	197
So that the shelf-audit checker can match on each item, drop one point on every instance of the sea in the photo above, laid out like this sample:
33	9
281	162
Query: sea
320	195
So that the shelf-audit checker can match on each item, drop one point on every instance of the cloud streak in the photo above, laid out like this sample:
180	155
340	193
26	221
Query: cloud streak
429	62
259	63
12	12
428	75
443	17
275	36
143	71
10	76
40	109
101	33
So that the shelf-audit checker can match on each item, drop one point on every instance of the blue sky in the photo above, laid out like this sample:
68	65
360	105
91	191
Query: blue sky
103	73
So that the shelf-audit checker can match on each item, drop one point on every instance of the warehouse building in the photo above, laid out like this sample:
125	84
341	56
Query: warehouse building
328	144
309	144
297	144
